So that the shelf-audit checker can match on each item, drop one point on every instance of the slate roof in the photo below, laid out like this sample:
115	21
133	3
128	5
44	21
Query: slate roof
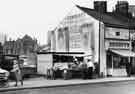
110	19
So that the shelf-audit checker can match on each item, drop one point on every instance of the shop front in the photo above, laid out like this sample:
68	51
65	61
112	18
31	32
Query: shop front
117	61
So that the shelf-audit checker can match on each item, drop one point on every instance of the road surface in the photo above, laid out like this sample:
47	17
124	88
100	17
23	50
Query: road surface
107	88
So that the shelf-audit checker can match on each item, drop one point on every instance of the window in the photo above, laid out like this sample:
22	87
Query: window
119	44
117	33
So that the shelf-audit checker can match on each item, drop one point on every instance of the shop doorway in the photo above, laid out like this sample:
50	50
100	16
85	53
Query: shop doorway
116	63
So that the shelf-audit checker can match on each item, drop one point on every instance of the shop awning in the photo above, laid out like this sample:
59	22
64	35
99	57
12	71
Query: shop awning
124	53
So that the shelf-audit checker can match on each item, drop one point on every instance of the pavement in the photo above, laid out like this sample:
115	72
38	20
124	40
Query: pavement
41	82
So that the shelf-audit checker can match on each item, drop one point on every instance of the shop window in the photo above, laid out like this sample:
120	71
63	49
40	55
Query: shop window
119	62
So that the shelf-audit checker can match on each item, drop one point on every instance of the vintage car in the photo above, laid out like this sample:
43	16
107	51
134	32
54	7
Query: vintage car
6	64
4	74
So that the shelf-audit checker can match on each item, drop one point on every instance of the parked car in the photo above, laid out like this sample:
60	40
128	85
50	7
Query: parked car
7	64
4	74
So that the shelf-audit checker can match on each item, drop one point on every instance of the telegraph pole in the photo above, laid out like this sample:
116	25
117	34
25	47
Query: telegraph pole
129	41
99	40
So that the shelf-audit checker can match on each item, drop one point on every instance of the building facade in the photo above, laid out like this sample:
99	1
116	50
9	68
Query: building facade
97	33
26	45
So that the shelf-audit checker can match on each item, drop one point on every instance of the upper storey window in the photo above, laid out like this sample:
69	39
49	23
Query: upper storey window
117	33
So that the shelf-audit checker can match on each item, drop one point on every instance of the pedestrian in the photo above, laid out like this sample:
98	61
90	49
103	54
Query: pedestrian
76	61
96	69
83	68
20	65
90	68
128	69
16	72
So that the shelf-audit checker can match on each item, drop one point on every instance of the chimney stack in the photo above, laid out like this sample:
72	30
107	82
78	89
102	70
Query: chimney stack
100	6
122	7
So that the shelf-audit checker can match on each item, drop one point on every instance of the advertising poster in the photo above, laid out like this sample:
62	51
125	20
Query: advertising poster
88	38
53	41
61	40
66	30
85	37
75	39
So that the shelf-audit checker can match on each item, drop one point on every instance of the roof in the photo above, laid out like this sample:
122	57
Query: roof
110	19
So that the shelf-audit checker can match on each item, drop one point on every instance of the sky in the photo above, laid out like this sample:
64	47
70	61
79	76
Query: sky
37	17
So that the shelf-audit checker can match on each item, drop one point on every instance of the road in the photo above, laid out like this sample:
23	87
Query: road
107	88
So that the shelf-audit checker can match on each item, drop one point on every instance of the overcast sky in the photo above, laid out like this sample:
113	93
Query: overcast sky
36	17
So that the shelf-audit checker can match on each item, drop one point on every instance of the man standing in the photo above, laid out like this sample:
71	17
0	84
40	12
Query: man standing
128	68
90	68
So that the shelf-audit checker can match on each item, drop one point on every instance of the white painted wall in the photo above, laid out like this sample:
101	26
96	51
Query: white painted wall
111	33
102	46
103	64
44	61
75	22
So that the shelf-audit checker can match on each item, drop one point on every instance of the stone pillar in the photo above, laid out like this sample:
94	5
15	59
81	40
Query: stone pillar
103	68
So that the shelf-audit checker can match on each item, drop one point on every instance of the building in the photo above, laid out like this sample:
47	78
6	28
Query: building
9	47
106	36
26	45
